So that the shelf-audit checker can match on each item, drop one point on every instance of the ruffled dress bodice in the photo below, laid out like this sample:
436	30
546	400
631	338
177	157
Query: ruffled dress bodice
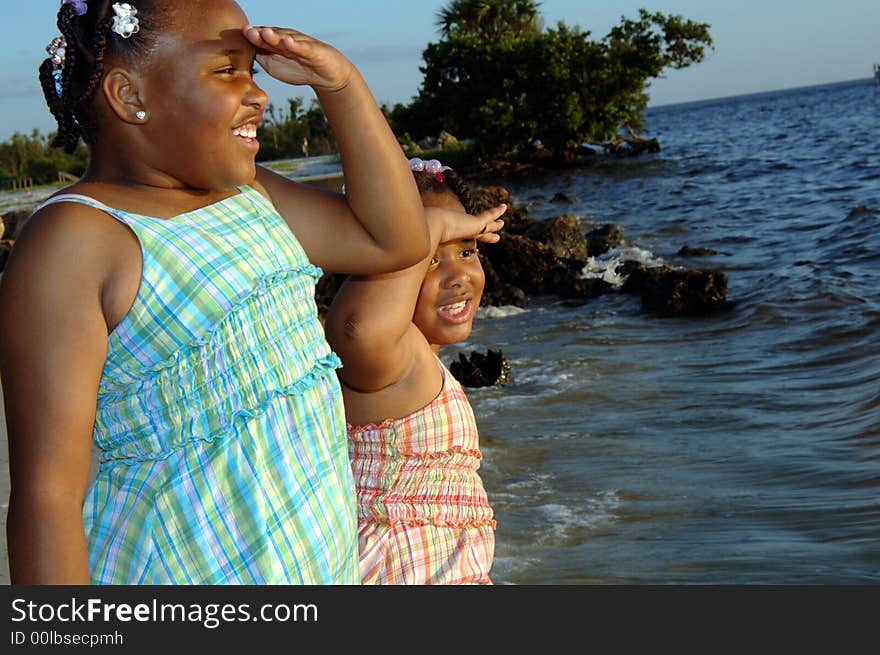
219	422
423	513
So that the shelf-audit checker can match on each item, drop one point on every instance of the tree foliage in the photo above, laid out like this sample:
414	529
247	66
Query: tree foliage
490	18
498	77
31	158
283	130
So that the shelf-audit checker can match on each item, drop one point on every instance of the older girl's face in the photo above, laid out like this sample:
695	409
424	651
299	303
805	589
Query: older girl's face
452	288
203	103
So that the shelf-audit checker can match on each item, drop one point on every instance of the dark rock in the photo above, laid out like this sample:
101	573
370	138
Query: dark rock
635	273
687	251
590	288
516	219
497	293
530	265
632	146
502	295
501	168
479	370
564	197
563	236
675	292
860	210
587	151
603	239
325	290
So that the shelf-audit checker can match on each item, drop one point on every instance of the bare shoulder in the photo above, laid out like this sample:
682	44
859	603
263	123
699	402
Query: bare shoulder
67	235
273	185
66	251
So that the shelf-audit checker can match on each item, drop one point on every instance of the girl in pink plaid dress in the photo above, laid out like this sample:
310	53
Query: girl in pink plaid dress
423	514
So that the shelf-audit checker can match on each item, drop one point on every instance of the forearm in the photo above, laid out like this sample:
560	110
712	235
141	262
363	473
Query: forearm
46	542
379	185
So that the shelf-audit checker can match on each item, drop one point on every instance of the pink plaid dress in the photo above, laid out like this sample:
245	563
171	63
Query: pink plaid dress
423	515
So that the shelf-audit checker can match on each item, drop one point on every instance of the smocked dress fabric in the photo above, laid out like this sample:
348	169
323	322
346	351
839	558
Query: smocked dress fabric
220	425
423	514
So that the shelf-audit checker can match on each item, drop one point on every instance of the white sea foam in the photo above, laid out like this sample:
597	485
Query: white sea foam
604	266
590	513
543	377
507	566
500	312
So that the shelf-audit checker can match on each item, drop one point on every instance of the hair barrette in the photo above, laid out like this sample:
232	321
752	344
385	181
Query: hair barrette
79	6
431	168
57	50
125	22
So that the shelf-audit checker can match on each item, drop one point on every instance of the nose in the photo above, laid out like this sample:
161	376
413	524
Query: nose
256	97
455	275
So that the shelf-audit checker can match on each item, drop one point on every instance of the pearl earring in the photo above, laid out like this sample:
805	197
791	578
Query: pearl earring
140	115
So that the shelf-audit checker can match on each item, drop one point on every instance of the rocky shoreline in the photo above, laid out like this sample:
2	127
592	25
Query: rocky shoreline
547	258
536	258
540	258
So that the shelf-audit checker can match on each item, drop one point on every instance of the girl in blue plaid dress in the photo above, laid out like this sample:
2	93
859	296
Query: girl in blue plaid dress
162	308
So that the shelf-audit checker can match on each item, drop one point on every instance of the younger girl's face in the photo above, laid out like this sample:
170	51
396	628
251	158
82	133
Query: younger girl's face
453	285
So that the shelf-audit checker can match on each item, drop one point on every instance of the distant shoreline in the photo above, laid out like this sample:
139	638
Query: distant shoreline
756	94
323	171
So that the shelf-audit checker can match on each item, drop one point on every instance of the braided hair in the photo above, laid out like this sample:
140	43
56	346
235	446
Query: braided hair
444	182
90	42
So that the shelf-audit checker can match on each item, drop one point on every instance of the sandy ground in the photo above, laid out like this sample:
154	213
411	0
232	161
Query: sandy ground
324	172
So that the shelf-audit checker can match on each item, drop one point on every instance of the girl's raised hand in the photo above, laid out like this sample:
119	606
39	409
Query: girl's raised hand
482	227
296	58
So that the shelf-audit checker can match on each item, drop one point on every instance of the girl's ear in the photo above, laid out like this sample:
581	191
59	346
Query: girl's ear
121	90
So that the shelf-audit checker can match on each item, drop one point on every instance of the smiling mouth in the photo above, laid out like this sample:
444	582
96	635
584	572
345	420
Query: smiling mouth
458	312
247	133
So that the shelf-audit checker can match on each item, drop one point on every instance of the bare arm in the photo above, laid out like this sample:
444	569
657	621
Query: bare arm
369	324
52	349
378	225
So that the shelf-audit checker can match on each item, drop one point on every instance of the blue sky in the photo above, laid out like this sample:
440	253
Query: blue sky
760	45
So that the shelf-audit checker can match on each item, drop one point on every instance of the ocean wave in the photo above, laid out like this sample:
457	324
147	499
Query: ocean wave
500	312
604	267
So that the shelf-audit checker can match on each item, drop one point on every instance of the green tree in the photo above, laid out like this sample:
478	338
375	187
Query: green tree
283	130
23	157
490	18
558	85
20	151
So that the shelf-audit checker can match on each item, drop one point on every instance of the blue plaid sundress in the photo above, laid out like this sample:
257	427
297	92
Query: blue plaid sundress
223	448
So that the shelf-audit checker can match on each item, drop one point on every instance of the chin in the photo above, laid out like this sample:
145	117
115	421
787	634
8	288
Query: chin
243	177
448	336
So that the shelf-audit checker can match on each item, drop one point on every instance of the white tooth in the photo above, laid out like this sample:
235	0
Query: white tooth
455	307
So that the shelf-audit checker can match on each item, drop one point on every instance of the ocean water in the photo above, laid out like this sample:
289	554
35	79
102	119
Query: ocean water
736	448
741	447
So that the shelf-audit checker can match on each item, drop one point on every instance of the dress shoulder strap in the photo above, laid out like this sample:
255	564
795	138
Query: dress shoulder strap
118	214
74	197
